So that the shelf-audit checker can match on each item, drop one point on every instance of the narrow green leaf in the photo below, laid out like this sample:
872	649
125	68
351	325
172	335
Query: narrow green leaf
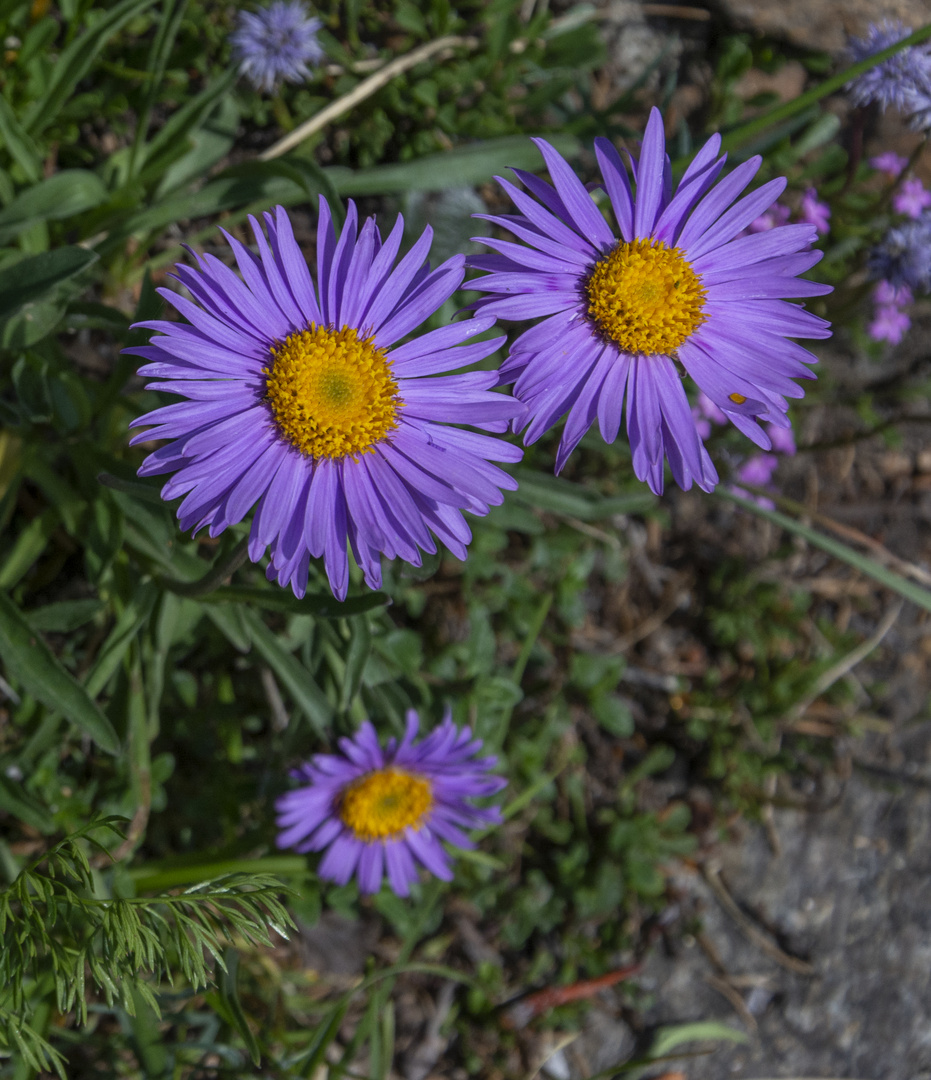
471	164
35	276
275	599
296	679
134	617
891	580
31	663
62	195
745	132
22	149
64	616
230	996
668	1038
75	62
28	547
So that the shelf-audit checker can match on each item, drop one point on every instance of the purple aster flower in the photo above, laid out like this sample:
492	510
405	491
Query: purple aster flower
813	212
380	811
889	163
275	44
314	402
782	439
903	257
911	199
902	82
621	316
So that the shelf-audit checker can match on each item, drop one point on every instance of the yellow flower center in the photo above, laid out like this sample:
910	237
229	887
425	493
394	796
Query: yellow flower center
384	803
645	297
332	394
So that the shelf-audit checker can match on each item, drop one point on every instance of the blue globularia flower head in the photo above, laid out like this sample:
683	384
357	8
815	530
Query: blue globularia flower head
276	44
903	257
671	285
902	82
379	811
318	402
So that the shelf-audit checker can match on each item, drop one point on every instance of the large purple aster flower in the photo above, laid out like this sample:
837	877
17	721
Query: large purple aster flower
380	811
622	316
275	44
302	399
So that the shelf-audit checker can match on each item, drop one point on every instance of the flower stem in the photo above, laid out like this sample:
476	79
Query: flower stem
214	577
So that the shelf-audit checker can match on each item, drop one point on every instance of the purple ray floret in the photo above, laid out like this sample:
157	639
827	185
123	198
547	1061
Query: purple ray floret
271	361
673	284
276	44
414	796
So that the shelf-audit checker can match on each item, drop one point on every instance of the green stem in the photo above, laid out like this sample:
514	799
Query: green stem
214	577
788	109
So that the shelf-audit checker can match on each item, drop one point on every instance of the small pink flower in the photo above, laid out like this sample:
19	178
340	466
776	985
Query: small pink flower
782	439
889	163
887	295
813	212
777	214
911	199
889	324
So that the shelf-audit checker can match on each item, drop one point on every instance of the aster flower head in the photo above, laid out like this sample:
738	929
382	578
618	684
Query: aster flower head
902	82
903	256
313	401
276	44
673	285
381	810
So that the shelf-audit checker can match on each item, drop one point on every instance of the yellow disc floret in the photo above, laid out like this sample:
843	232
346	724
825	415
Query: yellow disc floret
332	392
645	297
383	804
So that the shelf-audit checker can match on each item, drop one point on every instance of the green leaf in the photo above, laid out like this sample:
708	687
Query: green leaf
31	663
65	616
909	589
22	149
322	604
34	276
294	676
60	196
234	1010
668	1038
75	62
562	497
475	163
134	617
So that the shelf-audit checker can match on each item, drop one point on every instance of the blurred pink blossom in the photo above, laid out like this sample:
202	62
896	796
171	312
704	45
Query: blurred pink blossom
814	212
911	198
777	214
889	163
889	324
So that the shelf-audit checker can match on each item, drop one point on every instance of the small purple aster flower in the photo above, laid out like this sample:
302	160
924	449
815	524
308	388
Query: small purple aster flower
782	439
380	811
314	402
889	163
814	212
911	199
622	315
903	257
902	82
276	44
